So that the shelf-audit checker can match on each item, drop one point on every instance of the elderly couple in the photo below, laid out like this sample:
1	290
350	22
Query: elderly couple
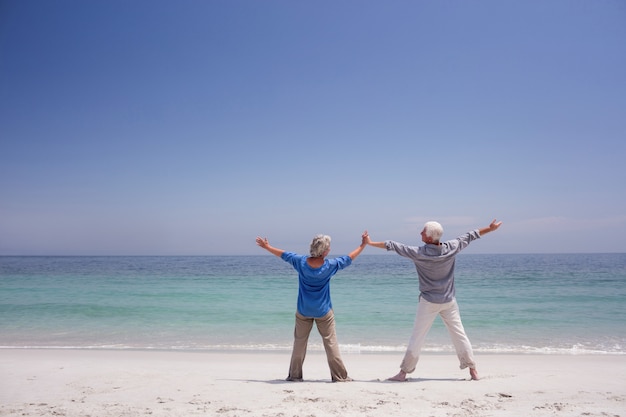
434	262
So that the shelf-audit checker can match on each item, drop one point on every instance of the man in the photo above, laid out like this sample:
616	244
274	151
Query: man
435	269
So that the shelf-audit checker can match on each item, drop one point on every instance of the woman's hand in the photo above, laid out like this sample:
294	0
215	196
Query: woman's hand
262	242
265	244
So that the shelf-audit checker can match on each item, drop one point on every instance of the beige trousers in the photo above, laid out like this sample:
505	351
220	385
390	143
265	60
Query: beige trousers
426	314
326	327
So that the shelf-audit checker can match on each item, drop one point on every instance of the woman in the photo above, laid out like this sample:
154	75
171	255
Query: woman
314	303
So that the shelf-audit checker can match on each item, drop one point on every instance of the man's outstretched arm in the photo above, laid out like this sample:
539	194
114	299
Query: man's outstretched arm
380	245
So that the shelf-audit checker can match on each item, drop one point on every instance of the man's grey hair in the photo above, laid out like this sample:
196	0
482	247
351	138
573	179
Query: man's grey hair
433	230
319	245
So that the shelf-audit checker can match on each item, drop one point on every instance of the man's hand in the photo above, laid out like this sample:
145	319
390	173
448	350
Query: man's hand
494	225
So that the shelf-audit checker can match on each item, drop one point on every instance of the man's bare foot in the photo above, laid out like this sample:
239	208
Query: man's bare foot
474	374
400	377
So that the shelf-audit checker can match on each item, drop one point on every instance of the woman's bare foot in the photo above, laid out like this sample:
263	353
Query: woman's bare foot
400	377
474	374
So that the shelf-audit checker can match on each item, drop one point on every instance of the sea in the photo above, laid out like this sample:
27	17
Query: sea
520	304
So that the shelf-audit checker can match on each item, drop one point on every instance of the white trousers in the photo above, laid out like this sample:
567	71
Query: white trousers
426	314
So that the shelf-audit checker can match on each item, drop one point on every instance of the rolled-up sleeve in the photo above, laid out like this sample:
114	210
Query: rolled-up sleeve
402	249
465	239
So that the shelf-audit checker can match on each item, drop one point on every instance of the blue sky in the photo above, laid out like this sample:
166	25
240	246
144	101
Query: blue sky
190	127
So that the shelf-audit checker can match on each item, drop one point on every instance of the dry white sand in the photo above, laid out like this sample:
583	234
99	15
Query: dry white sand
136	383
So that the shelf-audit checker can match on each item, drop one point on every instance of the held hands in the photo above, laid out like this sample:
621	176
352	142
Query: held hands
357	251
365	239
368	241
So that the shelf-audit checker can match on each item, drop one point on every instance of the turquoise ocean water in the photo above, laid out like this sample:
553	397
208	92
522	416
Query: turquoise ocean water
572	303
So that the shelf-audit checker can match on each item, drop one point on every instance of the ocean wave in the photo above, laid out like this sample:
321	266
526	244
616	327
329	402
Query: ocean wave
345	348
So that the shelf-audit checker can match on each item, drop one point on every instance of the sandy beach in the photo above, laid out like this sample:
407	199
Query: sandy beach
41	382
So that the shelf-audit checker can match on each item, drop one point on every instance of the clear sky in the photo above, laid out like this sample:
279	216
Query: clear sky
153	127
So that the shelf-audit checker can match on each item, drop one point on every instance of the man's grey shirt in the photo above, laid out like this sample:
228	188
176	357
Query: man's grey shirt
435	265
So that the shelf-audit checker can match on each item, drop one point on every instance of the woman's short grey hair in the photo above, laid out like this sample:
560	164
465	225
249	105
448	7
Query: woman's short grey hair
433	230
319	245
